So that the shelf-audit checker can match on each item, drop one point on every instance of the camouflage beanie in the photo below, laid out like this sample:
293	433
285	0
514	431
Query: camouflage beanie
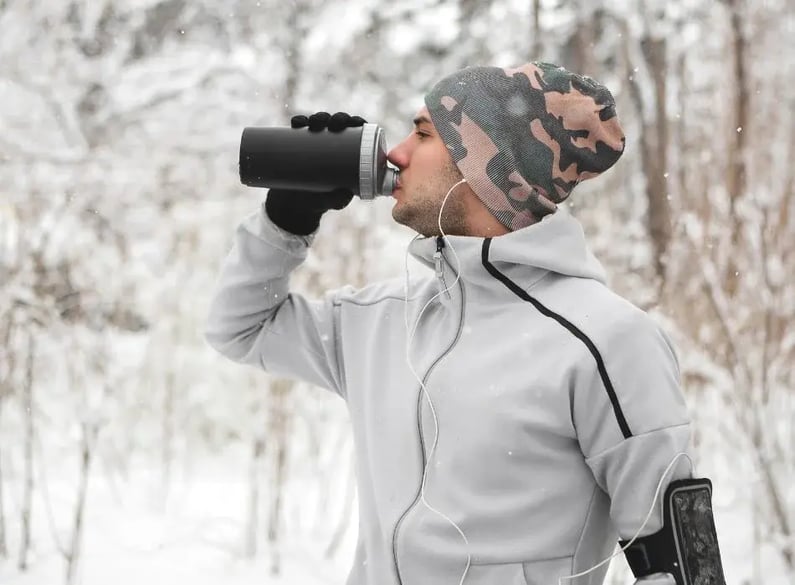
523	138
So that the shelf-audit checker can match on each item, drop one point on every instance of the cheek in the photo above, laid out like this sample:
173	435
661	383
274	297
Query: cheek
441	153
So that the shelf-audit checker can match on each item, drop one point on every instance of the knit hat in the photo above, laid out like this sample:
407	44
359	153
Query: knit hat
523	138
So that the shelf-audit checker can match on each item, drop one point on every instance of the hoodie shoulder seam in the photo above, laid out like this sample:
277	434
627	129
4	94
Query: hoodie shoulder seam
568	325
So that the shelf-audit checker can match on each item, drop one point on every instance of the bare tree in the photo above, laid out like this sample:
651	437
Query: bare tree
731	297
7	366
88	439
654	139
577	52
537	47
254	486
278	433
26	511
736	159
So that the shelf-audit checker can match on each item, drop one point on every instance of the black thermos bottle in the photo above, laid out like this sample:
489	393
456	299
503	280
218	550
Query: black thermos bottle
295	158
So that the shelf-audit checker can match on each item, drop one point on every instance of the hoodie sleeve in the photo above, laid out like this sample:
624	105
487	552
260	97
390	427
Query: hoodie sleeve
254	319
639	383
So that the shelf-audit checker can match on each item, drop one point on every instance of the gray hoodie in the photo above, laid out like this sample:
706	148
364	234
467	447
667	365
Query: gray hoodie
558	402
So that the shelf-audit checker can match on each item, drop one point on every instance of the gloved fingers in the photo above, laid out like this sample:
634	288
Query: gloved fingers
338	122
322	120
341	120
319	121
299	121
299	212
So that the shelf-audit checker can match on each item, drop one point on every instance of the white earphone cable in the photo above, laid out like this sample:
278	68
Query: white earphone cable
422	384
642	526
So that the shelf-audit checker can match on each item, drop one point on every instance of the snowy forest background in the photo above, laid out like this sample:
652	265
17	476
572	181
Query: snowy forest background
130	452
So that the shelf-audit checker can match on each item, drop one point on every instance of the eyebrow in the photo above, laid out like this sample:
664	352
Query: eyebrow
422	120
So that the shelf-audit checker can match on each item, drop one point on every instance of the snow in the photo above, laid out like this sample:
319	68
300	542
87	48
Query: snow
196	539
196	536
119	196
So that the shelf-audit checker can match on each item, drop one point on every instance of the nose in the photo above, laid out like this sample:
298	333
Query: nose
399	156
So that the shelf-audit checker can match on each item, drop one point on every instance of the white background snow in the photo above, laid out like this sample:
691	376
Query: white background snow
119	195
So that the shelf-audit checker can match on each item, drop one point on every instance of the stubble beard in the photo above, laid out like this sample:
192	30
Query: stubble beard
420	209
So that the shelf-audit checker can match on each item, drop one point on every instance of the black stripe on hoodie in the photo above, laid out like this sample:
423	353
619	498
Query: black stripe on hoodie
518	291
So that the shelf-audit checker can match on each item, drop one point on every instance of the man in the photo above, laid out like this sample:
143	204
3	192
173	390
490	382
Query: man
521	416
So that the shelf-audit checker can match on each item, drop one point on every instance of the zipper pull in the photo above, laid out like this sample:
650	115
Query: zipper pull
437	257
438	263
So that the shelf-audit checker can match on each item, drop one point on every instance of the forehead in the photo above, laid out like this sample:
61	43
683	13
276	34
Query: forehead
423	113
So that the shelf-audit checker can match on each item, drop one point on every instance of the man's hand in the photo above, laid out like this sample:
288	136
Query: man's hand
325	121
299	212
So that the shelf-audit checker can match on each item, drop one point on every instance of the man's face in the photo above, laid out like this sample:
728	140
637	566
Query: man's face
426	175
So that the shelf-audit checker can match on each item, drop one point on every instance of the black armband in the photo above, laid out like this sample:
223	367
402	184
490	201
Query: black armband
687	545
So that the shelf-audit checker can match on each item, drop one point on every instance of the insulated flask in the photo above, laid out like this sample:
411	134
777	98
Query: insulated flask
295	158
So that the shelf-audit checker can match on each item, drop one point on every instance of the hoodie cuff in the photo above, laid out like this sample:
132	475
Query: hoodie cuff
261	226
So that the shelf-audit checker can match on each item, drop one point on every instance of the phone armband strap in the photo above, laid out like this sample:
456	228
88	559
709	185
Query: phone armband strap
687	545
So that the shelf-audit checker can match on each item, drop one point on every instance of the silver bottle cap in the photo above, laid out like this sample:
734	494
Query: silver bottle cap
375	177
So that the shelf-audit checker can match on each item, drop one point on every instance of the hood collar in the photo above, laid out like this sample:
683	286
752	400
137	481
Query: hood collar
555	244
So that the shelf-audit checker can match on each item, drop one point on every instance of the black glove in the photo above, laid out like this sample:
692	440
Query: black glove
299	212
325	121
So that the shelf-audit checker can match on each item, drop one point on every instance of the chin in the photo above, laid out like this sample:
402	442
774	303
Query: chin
403	216
399	218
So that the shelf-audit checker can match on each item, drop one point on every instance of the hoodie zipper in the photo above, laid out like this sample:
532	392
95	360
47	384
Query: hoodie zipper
438	259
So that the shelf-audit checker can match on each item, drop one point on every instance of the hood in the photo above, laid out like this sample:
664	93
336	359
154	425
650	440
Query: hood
555	244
